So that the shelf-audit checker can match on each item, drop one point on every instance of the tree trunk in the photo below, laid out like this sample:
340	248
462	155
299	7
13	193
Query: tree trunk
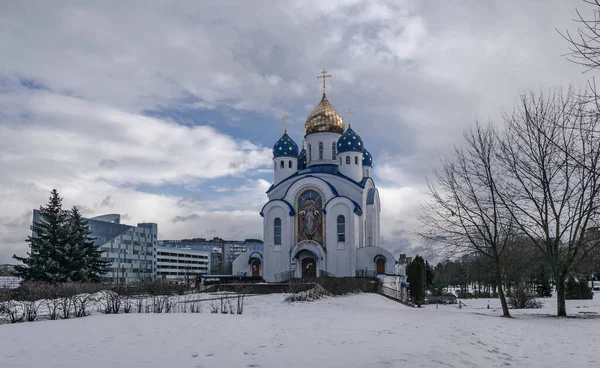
498	275
561	306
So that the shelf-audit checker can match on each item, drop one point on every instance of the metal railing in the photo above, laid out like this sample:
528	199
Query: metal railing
398	295
366	273
283	276
323	273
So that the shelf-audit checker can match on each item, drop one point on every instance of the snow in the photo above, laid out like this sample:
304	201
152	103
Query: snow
362	330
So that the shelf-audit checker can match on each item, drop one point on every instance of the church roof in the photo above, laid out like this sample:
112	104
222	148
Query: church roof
331	169
324	118
367	159
350	141
285	147
302	159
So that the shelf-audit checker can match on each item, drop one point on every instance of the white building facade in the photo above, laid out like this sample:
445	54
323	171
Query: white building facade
181	264
323	213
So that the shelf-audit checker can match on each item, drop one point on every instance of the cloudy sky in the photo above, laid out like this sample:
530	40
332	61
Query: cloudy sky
166	111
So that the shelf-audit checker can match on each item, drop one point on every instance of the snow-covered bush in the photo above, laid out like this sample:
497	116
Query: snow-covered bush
315	293
522	297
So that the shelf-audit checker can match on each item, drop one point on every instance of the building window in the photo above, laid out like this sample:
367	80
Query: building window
347	160
320	150
281	164
341	228
340	160
275	165
356	160
290	164
277	231
309	153
333	151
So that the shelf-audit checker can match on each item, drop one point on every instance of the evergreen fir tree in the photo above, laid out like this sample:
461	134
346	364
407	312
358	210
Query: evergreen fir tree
571	289
429	275
47	244
438	285
417	280
584	290
83	257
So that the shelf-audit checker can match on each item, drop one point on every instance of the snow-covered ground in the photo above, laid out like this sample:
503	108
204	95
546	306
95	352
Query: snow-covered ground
363	330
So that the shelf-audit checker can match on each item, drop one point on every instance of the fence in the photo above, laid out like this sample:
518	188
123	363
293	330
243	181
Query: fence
366	273
397	295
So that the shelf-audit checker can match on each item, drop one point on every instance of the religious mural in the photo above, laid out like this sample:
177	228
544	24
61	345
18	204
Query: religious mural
310	217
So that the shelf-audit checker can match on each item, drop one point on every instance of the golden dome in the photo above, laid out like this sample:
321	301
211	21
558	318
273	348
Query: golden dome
324	118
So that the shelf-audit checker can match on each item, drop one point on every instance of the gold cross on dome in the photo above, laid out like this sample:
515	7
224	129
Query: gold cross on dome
324	76
349	112
285	117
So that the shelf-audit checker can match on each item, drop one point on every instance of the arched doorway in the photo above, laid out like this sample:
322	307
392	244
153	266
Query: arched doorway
380	263
309	268
255	267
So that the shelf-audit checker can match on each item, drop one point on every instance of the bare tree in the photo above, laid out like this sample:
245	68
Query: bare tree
585	42
550	156
464	214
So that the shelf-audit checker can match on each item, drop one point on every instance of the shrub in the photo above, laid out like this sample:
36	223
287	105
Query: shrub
523	298
348	285
578	290
315	293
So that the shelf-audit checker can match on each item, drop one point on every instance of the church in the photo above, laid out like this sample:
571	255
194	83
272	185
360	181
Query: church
323	212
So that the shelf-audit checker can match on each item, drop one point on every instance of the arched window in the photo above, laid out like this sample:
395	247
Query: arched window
367	172
341	228
356	160
309	153
277	231
281	164
333	151
347	160
290	164
320	150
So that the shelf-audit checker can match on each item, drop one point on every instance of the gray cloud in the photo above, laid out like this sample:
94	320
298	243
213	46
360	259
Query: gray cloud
191	217
107	202
107	164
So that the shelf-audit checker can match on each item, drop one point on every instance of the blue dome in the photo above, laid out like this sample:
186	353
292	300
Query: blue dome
302	160
367	158
350	141
285	147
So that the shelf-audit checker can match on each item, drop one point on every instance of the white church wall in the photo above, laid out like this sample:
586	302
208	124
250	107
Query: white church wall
341	255
329	141
366	259
276	257
242	265
351	168
283	167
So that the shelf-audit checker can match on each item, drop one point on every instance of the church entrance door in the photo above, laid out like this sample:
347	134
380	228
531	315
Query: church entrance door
309	268
380	265
255	268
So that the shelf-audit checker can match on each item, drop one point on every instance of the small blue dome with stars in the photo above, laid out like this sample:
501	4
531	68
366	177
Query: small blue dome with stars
350	141
285	147
367	159
302	159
